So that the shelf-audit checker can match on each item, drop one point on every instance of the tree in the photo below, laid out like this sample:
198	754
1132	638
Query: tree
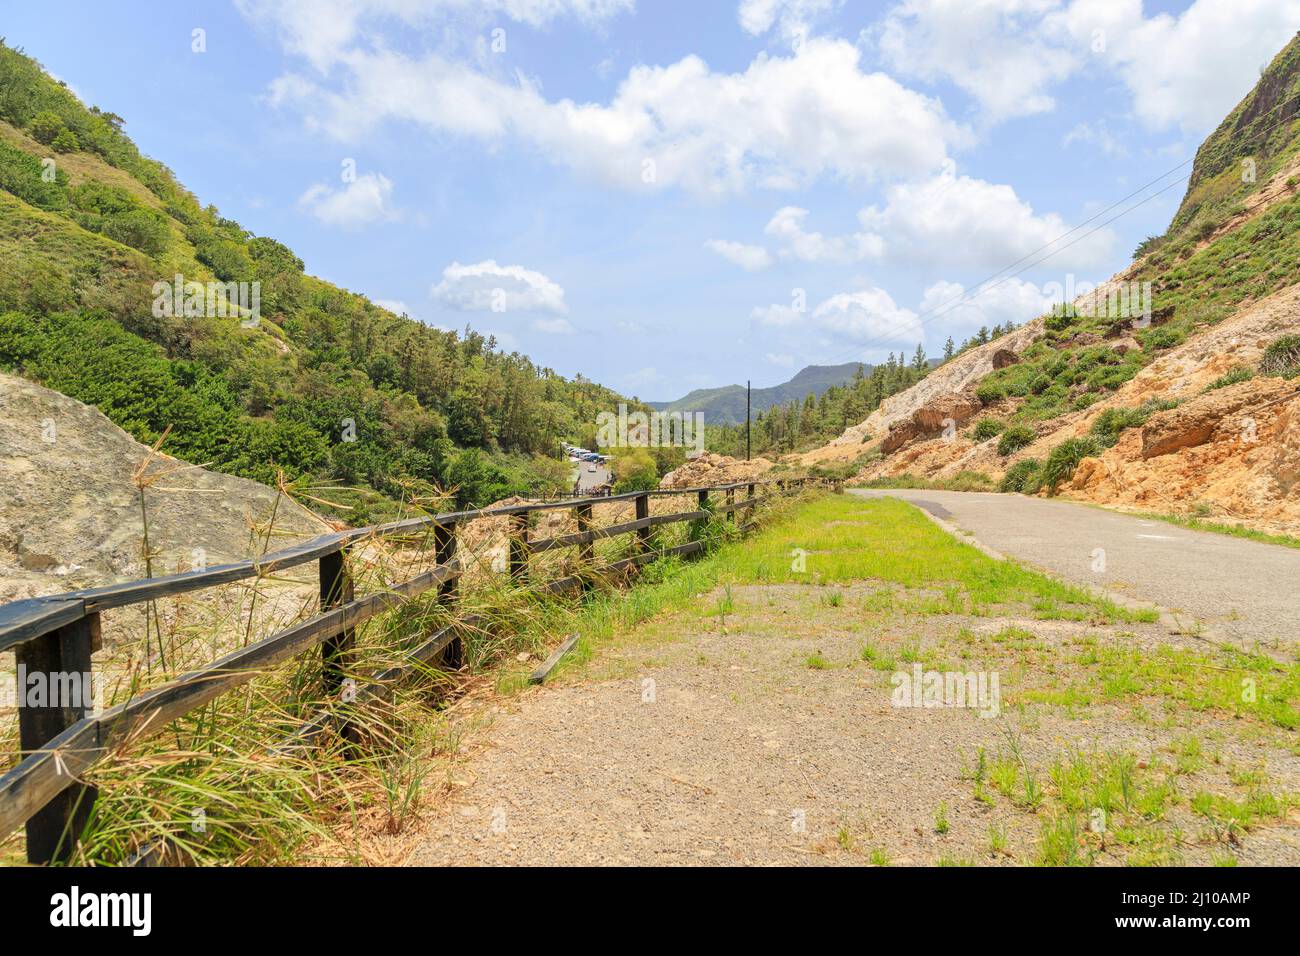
636	471
948	349
45	126
66	142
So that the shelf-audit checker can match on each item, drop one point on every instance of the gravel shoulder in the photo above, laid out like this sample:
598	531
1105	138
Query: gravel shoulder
768	735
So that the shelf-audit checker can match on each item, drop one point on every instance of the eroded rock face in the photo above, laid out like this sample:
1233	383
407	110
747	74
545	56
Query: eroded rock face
70	514
962	373
931	418
1194	422
946	409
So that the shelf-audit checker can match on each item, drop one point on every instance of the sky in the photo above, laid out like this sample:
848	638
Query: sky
666	195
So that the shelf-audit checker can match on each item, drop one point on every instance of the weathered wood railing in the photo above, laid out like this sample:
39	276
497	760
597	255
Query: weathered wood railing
57	635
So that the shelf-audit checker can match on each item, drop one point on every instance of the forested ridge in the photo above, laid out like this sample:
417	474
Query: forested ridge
328	387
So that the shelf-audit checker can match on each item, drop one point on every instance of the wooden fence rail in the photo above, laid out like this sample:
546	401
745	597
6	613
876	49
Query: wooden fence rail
57	635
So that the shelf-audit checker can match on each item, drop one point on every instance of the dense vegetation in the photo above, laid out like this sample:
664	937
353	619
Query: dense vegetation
1252	143
326	387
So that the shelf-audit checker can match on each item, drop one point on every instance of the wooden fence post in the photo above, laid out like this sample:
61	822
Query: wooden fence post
444	552
336	589
643	534
62	660
587	551
731	500
519	545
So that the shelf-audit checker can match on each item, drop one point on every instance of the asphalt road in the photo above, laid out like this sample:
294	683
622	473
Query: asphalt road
1236	589
591	479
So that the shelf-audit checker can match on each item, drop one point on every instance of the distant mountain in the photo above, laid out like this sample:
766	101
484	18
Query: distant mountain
726	405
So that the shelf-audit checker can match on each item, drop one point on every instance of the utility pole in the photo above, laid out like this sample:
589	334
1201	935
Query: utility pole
746	419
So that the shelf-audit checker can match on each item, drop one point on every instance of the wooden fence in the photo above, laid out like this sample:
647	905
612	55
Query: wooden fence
58	634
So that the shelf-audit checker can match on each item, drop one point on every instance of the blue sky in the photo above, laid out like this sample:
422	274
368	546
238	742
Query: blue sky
668	195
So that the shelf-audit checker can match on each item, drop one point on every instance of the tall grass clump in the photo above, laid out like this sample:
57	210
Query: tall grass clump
1064	459
1282	357
1024	476
1015	438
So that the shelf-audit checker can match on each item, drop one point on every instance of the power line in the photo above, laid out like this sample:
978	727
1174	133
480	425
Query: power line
989	284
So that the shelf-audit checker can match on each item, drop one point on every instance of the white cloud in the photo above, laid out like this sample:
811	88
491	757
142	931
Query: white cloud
642	378
782	122
956	220
945	307
1096	134
488	287
553	326
321	30
1187	70
778	315
787	227
781	361
794	16
871	317
395	306
992	49
749	258
868	315
366	199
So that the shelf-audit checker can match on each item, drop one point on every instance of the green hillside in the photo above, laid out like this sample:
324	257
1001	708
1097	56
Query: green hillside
328	387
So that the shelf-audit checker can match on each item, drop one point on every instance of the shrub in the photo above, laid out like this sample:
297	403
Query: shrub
1015	438
1108	425
1148	244
1059	319
989	392
141	229
115	213
66	142
45	127
986	428
1165	337
1234	375
21	174
1282	357
968	481
1023	477
1065	458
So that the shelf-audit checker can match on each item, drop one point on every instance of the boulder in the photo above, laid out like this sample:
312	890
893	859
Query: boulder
1004	357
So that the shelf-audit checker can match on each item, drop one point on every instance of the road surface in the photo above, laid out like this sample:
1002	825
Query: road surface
1238	590
591	479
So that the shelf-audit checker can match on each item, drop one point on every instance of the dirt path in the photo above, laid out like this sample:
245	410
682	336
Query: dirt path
766	745
1242	590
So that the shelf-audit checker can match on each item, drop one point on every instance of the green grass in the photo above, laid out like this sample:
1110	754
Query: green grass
1216	527
962	481
846	539
1239	373
1227	681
